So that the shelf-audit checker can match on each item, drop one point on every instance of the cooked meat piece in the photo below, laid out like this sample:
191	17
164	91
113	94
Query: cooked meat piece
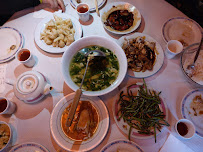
140	54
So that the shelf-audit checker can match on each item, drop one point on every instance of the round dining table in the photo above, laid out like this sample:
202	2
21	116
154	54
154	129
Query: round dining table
31	122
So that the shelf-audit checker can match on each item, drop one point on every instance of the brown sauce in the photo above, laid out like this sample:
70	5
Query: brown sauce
182	128
24	55
79	130
3	104
82	9
120	20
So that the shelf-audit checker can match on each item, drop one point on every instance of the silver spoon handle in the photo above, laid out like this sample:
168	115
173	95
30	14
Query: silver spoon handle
73	107
199	48
76	100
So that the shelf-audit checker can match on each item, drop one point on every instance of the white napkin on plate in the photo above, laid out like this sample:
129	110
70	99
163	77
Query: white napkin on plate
172	144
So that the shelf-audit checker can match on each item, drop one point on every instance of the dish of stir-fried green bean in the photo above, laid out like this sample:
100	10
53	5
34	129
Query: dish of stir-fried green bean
141	111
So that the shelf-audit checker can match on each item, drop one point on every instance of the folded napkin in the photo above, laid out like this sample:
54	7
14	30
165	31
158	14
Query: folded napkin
172	144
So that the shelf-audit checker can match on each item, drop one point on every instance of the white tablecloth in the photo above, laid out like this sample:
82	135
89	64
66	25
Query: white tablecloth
30	123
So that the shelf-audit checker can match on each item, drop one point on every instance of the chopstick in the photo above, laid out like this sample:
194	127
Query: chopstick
97	10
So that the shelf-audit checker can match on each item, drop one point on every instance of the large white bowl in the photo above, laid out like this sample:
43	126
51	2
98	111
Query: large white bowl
94	40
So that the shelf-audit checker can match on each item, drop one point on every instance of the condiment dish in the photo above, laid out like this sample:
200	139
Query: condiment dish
185	128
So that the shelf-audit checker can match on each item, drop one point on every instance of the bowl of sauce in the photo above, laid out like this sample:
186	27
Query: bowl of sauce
185	128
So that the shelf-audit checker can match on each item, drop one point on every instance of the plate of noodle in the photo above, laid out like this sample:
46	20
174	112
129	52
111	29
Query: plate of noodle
56	32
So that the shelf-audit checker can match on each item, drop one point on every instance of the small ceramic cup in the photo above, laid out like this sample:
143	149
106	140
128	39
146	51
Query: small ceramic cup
185	128
83	12
7	106
25	57
173	48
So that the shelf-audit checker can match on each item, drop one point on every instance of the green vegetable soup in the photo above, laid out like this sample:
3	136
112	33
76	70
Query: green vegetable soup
101	71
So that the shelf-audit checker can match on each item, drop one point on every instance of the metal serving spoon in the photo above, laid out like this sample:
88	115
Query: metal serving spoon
90	55
192	66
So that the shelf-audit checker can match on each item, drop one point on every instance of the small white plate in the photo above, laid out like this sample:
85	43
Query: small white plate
189	113
126	6
9	36
66	143
29	147
89	2
41	26
159	56
123	126
182	29
122	145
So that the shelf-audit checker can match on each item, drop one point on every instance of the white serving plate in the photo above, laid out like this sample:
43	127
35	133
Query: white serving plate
41	26
159	56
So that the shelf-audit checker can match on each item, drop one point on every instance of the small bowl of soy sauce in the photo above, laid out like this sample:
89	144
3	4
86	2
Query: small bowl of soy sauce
185	128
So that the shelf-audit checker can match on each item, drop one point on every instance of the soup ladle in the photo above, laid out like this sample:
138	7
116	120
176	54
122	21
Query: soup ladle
90	55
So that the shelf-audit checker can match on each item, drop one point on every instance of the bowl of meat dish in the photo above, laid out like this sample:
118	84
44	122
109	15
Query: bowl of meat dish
144	54
194	75
120	18
5	135
103	75
89	126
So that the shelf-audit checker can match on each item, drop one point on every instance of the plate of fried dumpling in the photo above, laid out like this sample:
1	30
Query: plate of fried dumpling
56	32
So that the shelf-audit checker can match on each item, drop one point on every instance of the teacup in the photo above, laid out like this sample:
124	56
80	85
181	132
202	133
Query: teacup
6	106
25	57
83	12
173	48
